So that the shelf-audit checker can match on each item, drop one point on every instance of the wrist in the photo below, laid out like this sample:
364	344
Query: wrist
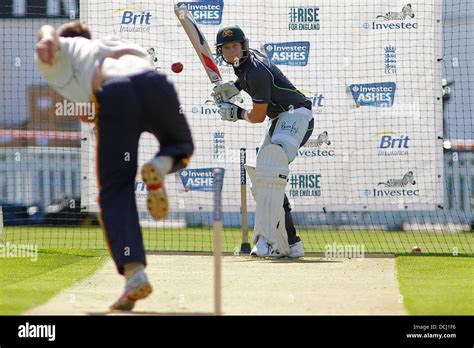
245	116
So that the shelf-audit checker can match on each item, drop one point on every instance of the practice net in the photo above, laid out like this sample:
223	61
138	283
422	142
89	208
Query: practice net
388	167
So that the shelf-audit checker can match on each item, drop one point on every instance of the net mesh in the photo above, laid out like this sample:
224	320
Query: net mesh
388	166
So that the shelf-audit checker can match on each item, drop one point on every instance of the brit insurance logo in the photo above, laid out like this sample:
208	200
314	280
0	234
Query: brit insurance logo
396	20
379	94
288	53
134	20
305	185
317	99
321	146
303	18
392	144
399	187
207	12
201	179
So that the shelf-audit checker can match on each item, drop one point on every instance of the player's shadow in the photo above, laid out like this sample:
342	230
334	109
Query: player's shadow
286	260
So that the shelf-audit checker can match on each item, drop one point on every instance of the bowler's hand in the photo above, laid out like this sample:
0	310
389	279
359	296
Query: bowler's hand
46	49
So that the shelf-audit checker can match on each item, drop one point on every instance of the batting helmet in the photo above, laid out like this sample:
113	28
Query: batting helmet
230	34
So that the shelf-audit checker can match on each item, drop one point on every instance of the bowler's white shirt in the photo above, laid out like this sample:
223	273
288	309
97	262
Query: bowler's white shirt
75	64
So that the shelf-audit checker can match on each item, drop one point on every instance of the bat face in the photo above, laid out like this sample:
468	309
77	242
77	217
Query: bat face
199	42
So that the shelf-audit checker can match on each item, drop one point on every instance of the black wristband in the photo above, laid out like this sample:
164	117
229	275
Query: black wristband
240	113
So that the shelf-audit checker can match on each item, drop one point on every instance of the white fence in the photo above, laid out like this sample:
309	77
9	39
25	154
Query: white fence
39	175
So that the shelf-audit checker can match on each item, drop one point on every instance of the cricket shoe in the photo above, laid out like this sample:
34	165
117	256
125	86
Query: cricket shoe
157	201
264	249
296	250
137	288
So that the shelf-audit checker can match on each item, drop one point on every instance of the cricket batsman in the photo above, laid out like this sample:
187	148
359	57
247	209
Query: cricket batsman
290	126
129	97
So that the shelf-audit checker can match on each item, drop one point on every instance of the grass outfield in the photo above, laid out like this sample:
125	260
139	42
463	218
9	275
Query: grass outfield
26	283
430	285
200	239
437	285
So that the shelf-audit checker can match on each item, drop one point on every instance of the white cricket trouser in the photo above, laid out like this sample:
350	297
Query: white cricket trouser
289	131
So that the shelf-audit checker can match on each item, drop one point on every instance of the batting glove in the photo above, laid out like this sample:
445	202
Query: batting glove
224	92
230	112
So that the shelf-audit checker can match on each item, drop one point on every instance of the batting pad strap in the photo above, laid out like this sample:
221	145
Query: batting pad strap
270	176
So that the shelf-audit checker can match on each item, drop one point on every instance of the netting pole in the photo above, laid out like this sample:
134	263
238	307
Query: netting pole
218	181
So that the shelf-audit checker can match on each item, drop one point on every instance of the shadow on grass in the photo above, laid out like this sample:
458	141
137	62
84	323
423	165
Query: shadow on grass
141	313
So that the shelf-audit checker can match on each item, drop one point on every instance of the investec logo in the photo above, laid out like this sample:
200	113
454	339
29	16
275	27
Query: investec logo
134	20
303	18
288	53
392	144
208	109
205	12
319	147
394	20
305	185
399	187
379	94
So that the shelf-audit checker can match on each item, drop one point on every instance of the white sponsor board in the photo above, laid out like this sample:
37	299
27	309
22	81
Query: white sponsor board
371	70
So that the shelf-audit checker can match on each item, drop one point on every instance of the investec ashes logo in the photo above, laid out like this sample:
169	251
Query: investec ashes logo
288	53
201	179
206	11
403	187
379	94
134	20
394	20
303	18
305	185
392	144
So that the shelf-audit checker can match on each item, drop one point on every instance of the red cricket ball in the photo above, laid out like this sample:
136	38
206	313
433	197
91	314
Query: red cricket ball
416	249
177	67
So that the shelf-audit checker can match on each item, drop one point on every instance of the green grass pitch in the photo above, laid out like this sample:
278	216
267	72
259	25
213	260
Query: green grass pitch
430	285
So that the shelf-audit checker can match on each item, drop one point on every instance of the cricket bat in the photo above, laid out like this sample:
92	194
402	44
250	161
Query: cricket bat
200	44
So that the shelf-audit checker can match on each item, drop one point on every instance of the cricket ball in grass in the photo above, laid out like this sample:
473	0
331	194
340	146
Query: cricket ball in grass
177	67
416	249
